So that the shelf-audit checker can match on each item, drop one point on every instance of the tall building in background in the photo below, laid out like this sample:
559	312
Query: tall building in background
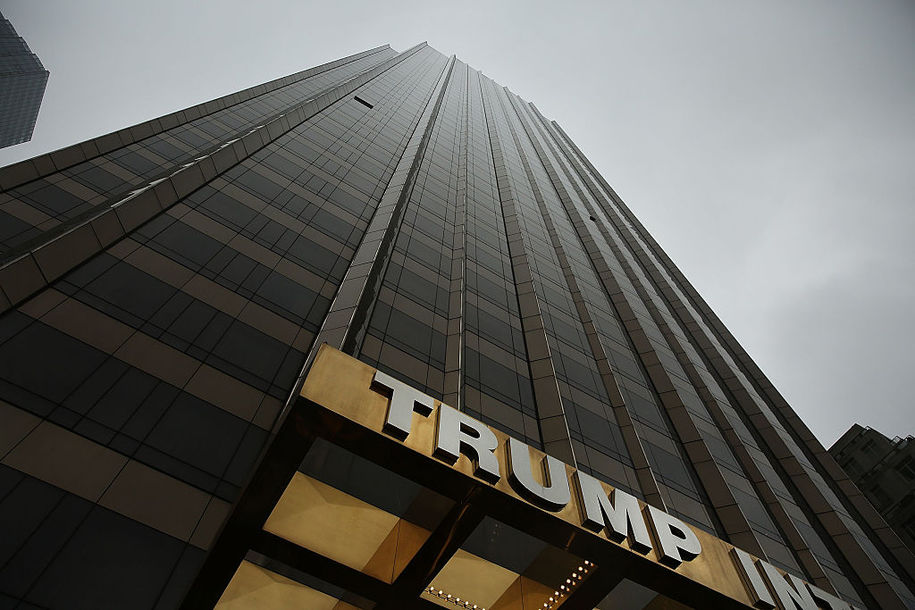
22	83
520	402
884	469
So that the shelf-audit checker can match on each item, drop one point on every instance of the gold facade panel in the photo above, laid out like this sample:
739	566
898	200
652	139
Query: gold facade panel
525	594
328	521
254	588
396	551
410	538
346	529
343	384
469	577
513	598
381	565
715	568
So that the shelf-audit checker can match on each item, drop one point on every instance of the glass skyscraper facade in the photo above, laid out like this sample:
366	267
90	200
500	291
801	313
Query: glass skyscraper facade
22	84
166	289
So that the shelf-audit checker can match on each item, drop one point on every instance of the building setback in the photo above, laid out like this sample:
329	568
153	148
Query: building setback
167	288
22	83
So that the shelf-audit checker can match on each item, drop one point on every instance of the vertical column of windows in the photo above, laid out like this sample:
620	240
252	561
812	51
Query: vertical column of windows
355	309
590	304
600	446
696	329
672	472
409	325
497	381
454	341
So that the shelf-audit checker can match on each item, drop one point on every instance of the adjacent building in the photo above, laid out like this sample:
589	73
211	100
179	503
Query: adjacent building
884	469
22	83
378	335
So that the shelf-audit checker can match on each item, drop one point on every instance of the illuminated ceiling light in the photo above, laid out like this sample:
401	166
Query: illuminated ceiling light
574	578
451	599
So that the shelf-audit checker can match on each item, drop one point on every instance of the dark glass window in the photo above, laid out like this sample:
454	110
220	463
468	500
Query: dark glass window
198	433
100	566
99	179
164	149
228	211
259	185
124	289
189	246
135	162
312	256
54	200
252	356
290	299
28	358
347	201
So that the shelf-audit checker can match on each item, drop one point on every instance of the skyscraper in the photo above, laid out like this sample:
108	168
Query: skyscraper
22	83
377	334
884	470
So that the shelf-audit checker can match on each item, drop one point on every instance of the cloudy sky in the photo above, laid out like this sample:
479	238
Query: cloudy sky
769	146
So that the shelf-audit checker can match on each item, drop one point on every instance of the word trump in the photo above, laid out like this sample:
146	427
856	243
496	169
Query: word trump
618	512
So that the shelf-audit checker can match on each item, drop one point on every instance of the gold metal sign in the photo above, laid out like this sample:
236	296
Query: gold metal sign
655	543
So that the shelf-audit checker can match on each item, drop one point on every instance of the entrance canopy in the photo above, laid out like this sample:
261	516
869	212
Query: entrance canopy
375	495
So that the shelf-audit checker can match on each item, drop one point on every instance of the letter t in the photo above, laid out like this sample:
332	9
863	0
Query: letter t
404	401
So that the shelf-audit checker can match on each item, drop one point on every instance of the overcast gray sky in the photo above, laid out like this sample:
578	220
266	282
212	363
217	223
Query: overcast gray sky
768	146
